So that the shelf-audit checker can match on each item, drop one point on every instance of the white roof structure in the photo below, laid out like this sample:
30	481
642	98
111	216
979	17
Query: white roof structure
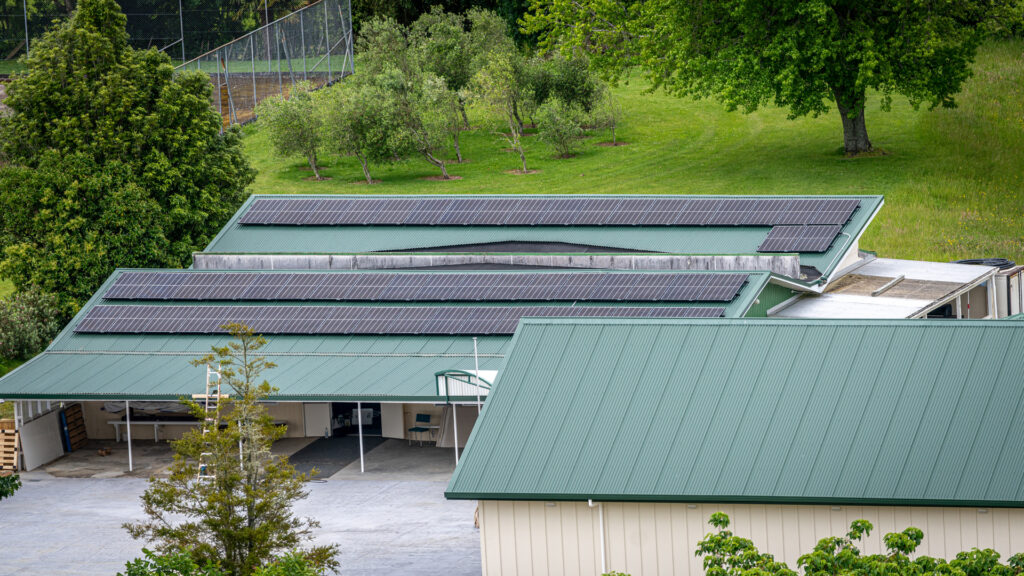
888	288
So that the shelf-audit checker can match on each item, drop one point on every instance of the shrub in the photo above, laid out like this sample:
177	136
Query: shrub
561	125
28	321
9	485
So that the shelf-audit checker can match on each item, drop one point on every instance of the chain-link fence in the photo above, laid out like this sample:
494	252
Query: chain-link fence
313	44
183	29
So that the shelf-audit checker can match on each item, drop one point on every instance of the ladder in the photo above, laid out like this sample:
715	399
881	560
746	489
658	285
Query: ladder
210	402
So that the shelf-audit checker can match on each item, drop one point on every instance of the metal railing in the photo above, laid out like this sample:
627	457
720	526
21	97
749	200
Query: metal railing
313	44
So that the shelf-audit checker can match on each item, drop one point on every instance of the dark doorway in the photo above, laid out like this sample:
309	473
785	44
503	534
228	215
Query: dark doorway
346	424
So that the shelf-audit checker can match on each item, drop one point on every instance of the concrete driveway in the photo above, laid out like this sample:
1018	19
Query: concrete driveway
385	521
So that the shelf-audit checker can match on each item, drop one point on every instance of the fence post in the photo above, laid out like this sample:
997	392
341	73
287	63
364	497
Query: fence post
181	28
252	56
302	36
327	37
24	5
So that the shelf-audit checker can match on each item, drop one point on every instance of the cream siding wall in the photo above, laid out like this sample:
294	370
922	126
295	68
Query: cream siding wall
538	538
96	427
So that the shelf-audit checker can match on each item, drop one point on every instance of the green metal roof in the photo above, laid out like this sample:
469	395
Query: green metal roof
897	412
727	240
310	367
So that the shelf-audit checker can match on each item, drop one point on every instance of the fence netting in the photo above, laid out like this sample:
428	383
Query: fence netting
313	44
184	29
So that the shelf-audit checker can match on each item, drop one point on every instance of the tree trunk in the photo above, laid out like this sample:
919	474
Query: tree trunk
437	162
515	114
465	119
366	169
855	131
312	164
458	151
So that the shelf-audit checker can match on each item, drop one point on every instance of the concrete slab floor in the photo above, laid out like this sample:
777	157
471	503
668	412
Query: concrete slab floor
392	520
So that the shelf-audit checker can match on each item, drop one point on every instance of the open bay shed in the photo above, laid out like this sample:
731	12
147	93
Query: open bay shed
388	353
607	444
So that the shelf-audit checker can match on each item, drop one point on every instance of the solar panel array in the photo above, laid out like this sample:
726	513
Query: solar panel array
327	320
553	211
799	239
428	287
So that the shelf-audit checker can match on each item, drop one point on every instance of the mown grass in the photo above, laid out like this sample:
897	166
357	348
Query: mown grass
6	288
953	179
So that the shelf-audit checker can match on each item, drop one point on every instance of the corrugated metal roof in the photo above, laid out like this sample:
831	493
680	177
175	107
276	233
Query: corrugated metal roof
310	367
884	412
237	238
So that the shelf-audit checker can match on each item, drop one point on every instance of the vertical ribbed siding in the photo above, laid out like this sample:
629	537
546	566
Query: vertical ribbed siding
541	539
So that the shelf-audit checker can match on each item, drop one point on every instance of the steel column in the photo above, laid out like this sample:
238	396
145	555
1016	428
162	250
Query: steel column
128	426
359	417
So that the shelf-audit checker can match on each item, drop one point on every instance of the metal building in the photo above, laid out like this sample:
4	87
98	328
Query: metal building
607	444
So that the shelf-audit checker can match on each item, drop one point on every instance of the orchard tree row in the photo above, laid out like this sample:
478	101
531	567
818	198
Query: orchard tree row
413	86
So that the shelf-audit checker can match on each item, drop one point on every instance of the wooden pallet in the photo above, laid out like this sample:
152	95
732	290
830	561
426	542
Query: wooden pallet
8	450
76	426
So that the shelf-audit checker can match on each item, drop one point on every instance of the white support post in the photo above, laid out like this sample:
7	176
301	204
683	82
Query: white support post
455	422
359	418
128	426
476	362
959	310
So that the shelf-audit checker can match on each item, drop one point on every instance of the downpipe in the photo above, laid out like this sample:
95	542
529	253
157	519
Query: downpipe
600	526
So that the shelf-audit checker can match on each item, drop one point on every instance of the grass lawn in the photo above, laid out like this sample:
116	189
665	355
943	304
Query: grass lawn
953	179
5	288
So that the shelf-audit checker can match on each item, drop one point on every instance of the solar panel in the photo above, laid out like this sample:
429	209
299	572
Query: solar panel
327	320
552	211
799	239
428	286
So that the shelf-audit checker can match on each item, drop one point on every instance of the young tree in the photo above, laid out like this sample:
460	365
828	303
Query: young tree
807	56
293	124
607	113
498	84
361	119
228	500
431	112
561	125
115	160
443	47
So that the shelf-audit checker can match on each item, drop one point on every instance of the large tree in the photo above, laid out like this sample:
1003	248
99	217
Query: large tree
804	55
113	160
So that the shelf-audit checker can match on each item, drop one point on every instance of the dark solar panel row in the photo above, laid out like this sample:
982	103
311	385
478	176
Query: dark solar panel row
799	239
554	211
326	320
426	286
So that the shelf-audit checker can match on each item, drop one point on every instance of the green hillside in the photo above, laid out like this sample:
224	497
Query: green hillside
953	179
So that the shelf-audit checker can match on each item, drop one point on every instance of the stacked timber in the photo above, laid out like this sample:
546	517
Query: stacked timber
8	446
75	426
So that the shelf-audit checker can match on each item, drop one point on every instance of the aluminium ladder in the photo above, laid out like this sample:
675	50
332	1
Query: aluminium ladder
210	422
